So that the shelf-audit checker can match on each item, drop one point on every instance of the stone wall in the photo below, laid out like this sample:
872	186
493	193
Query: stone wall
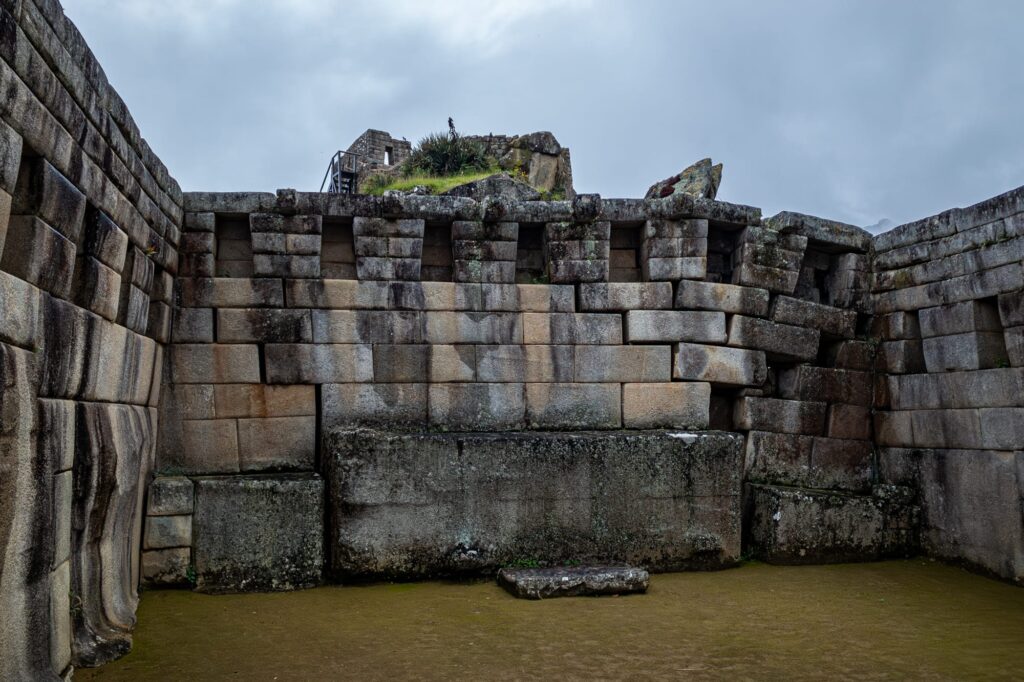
949	303
89	227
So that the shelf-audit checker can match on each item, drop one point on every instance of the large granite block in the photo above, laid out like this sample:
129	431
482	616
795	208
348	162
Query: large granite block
392	405
778	341
783	416
467	503
673	326
677	404
623	296
573	406
968	351
258	533
719	365
573	581
959	318
477	406
727	298
623	364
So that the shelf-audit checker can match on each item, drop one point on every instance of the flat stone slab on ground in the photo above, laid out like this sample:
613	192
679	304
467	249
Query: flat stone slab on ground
573	581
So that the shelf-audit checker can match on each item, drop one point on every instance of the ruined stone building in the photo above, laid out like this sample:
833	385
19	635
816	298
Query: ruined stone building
408	385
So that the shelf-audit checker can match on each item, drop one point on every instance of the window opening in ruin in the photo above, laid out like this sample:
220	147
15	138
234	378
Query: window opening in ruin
337	254
721	250
624	257
234	246
437	253
530	267
388	154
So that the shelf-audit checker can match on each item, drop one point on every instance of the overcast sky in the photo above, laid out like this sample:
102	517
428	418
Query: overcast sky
856	110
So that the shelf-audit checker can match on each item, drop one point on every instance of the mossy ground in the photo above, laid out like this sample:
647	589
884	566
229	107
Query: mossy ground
433	183
891	620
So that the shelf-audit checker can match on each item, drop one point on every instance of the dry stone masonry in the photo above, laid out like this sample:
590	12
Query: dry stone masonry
254	391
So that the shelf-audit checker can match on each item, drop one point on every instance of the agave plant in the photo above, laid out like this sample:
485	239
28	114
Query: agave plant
446	154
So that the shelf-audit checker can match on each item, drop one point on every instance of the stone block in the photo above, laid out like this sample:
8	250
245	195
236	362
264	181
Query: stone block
778	341
60	618
40	255
839	464
193	325
264	325
337	294
796	526
727	298
96	287
488	272
848	421
233	552
718	365
133	310
10	157
778	458
675	325
318	364
477	406
571	271
900	357
166	567
371	268
672	503
229	292
382	227
621	364
680	405
290	225
401	364
972	350
142	269
572	328
43	192
453	363
261	400
204	447
759	276
274	265
277	443
21	314
573	581
5	217
104	240
970	504
781	416
457	327
959	318
516	364
388	405
623	296
200	222
475	229
1014	340
830	321
573	406
170	496
215	364
1011	308
368	326
671	269
545	298
825	384
168	531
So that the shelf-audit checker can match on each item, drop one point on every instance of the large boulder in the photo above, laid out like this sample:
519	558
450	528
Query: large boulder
501	185
700	180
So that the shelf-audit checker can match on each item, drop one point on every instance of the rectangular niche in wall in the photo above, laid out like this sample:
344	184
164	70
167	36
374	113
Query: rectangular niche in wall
530	253
337	256
624	263
437	253
721	247
234	246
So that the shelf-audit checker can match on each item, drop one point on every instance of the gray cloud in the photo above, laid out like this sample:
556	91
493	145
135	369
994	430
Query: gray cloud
852	110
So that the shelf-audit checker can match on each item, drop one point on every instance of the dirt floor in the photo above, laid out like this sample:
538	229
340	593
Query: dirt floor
892	620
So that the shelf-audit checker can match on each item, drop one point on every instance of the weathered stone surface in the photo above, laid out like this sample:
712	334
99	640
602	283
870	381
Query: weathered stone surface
227	292
680	405
233	552
783	416
170	495
830	321
264	325
40	255
619	364
168	531
302	363
727	298
20	316
970	504
959	318
778	341
987	388
500	185
477	406
393	405
572	328
216	364
794	526
972	350
718	365
700	180
277	443
675	325
848	421
826	384
573	406
43	192
610	508
166	567
822	232
624	296
260	400
573	581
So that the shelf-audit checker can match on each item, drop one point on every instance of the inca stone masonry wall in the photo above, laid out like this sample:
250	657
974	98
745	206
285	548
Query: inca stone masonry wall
89	225
264	391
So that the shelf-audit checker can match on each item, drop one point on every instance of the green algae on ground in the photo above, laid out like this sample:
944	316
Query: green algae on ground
898	619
